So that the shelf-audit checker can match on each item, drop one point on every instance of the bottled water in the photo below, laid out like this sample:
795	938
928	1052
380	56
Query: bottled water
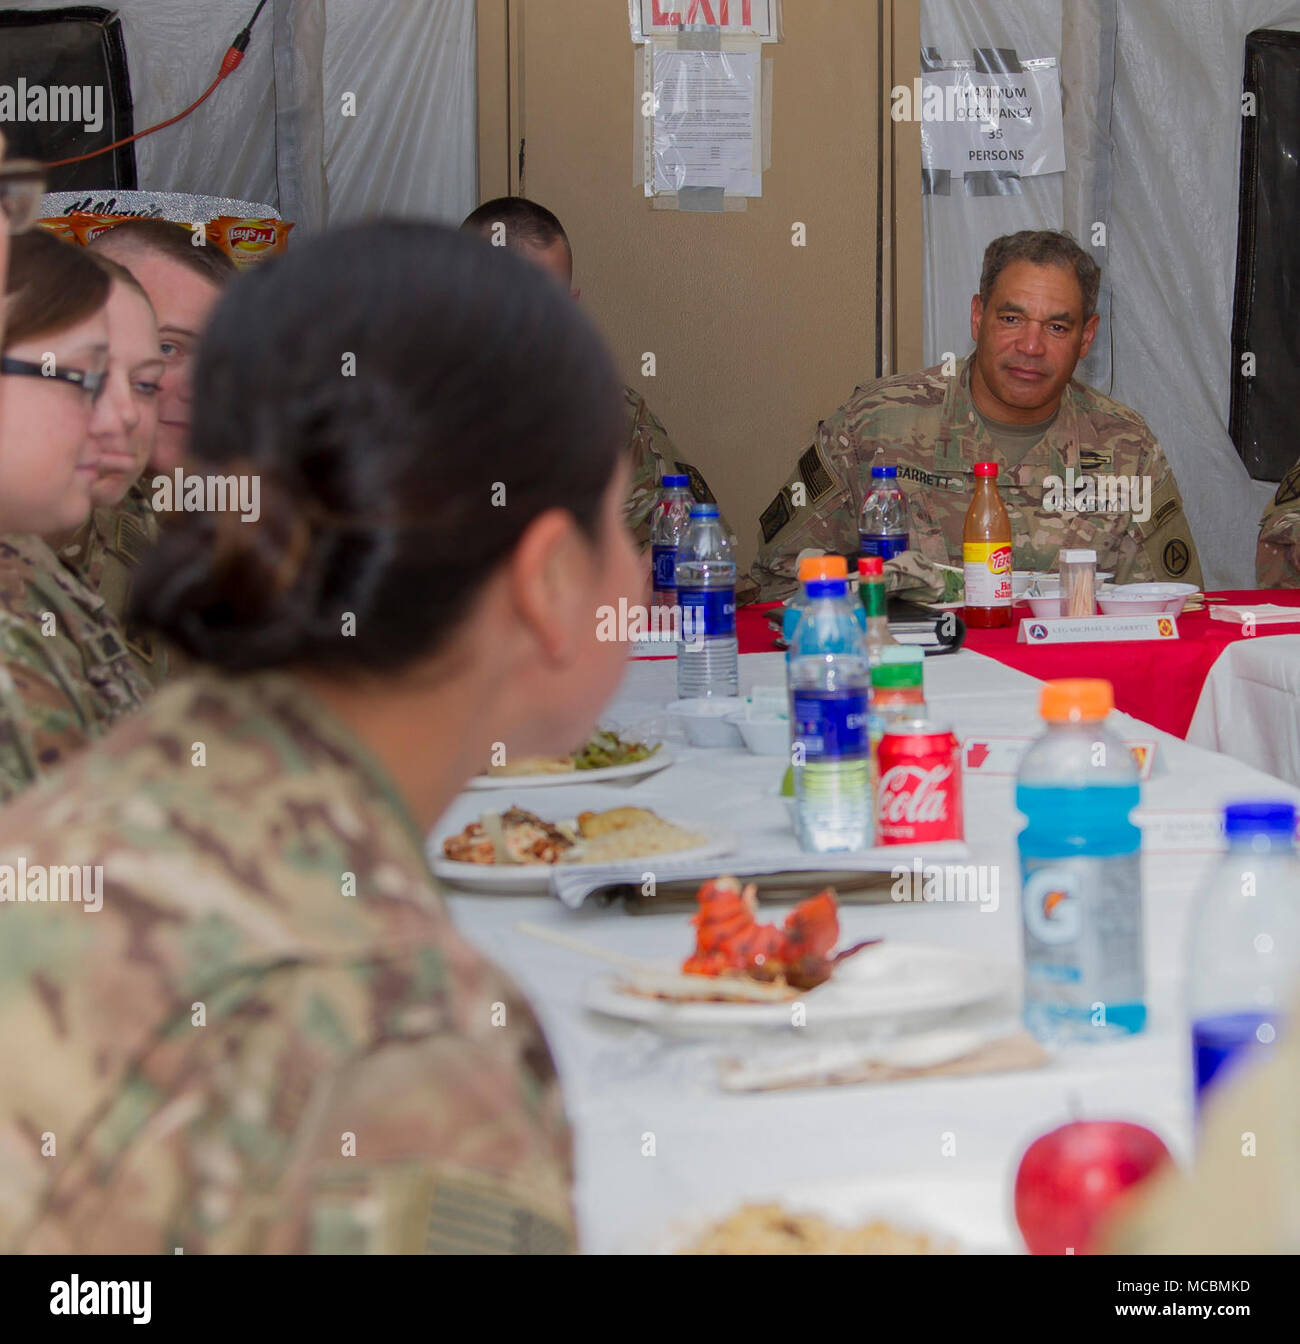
884	523
1081	878
706	591
672	512
829	699
1245	946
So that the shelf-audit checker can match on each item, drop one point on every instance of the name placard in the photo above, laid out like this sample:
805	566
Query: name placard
999	754
1097	629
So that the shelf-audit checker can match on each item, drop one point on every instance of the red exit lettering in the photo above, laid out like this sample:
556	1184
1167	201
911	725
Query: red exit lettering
701	11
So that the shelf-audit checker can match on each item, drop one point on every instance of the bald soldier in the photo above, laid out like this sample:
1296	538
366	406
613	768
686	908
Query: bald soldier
1277	557
1076	468
536	234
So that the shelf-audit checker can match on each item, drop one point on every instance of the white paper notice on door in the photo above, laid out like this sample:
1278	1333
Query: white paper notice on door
707	121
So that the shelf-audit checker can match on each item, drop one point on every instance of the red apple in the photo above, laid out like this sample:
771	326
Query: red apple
1069	1179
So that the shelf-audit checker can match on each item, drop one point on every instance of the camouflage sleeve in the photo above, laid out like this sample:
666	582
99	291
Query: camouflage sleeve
41	723
654	455
360	1108
1277	556
813	513
1163	549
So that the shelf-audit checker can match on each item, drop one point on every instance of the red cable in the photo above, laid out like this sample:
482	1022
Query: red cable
229	64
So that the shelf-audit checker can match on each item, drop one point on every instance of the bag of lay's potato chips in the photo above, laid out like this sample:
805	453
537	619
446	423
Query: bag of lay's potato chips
249	242
86	227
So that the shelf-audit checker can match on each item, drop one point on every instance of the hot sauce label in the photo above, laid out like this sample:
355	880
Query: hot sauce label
987	565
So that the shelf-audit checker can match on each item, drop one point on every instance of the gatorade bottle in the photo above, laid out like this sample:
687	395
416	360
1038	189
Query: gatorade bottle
986	553
1081	879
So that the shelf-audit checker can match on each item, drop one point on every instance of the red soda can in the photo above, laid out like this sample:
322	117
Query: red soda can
918	788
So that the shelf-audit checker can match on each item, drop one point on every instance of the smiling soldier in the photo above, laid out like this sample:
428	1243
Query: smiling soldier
1013	401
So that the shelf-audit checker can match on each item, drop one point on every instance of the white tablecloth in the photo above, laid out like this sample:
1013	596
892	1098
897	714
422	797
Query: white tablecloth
1250	705
945	1140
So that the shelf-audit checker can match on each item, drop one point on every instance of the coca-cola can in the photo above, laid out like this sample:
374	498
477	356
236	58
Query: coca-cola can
918	788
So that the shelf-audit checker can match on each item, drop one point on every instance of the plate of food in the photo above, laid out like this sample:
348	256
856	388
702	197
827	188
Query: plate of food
517	848
746	974
917	1215
604	757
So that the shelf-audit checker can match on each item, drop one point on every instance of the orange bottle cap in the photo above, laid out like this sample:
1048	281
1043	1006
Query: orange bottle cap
986	468
1077	700
823	567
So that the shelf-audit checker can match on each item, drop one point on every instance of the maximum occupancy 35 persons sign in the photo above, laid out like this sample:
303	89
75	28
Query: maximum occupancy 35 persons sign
974	122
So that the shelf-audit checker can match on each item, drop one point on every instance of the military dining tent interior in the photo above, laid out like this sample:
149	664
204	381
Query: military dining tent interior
343	109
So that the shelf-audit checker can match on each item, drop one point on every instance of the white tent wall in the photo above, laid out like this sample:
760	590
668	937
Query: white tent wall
1174	123
274	131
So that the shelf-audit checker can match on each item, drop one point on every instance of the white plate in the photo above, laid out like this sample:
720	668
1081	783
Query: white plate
975	1214
891	980
554	806
606	774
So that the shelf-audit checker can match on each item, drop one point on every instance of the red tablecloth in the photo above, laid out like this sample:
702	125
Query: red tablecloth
1158	682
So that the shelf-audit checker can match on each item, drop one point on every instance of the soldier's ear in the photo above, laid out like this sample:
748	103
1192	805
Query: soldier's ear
1089	335
976	316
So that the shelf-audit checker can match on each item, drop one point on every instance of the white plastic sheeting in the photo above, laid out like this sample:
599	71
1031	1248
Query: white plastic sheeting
411	148
1175	124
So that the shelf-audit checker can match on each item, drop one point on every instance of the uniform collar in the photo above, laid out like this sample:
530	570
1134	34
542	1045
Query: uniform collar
965	440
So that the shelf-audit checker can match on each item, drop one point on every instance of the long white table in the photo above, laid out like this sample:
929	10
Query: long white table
1250	705
947	1145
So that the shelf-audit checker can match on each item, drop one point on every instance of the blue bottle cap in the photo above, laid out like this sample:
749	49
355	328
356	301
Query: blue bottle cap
1261	818
826	588
704	510
883	473
675	482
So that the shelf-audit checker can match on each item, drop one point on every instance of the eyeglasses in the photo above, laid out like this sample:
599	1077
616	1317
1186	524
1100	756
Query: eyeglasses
22	184
90	382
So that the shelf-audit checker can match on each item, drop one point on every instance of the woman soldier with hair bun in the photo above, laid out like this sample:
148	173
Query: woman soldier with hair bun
270	1037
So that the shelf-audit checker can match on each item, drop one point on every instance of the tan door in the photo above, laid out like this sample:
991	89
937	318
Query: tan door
754	339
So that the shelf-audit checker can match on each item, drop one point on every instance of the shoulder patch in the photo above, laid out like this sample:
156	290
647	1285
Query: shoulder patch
1176	557
699	487
130	540
1290	488
775	516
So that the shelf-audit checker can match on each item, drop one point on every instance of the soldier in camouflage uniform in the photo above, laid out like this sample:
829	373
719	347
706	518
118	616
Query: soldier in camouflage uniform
65	671
1277	557
263	1032
536	234
104	554
268	975
929	425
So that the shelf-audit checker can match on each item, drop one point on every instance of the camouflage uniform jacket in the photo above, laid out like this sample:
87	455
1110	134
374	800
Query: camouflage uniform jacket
925	424
269	1037
66	673
104	555
1277	557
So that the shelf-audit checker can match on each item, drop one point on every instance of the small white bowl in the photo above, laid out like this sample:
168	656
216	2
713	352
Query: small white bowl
706	720
764	736
1048	582
1142	599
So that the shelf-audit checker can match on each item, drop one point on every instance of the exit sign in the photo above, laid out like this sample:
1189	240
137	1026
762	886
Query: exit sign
662	18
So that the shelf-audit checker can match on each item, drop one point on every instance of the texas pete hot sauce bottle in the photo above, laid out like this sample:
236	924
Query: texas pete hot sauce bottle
986	553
